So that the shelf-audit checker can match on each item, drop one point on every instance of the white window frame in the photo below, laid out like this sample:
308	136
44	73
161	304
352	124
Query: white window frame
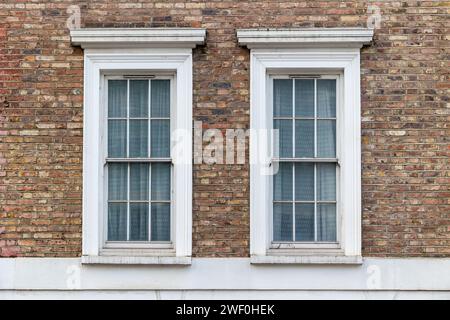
306	51
136	51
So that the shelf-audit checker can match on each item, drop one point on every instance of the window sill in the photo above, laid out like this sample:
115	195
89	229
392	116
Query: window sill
307	259
127	260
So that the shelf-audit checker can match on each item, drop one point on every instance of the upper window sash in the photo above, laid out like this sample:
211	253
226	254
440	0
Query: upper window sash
315	157
149	117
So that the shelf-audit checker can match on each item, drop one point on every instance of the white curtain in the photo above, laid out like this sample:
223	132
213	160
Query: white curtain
304	98
160	105
282	98
282	222
138	98
326	191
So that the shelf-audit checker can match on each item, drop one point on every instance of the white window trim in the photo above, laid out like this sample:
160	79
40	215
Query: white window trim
296	51
172	54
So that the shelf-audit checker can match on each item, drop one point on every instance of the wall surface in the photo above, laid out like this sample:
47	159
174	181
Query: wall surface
405	116
225	278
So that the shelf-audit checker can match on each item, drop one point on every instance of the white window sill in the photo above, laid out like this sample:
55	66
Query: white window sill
126	260
306	259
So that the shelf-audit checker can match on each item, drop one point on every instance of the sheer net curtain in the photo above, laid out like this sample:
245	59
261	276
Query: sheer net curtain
304	189
139	192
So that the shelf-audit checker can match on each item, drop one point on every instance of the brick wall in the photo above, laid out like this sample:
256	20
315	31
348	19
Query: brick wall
405	116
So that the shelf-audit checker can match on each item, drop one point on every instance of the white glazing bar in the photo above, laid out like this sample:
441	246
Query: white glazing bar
303	118
315	201
150	165
139	160
315	118
128	165
293	165
164	118
305	160
149	116
128	203
315	156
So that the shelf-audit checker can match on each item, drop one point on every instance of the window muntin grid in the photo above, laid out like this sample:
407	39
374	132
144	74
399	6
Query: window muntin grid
305	187
138	160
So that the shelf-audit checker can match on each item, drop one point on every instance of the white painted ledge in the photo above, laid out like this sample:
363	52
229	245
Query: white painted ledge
138	37
308	37
123	260
375	274
324	259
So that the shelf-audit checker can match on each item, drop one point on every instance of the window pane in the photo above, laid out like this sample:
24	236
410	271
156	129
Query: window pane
326	222
304	181
160	138
284	128
160	105
326	138
304	98
117	138
282	98
138	98
304	138
160	222
304	222
117	222
326	182
139	181
138	138
282	182
326	98
139	221
282	222
117	181
160	181
117	98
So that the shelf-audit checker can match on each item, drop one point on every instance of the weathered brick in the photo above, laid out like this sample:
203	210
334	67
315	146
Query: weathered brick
405	116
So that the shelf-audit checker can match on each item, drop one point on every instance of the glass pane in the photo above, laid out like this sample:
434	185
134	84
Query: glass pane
138	138
160	135
117	222
304	138
326	138
326	222
117	138
138	98
117	98
282	98
285	137
160	222
139	221
326	98
304	182
282	182
282	222
160	181
160	105
117	181
304	222
304	98
139	181
326	181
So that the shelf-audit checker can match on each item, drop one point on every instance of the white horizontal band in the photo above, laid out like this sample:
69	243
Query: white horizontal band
137	37
307	37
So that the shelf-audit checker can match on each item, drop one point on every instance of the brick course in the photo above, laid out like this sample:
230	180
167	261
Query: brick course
405	116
